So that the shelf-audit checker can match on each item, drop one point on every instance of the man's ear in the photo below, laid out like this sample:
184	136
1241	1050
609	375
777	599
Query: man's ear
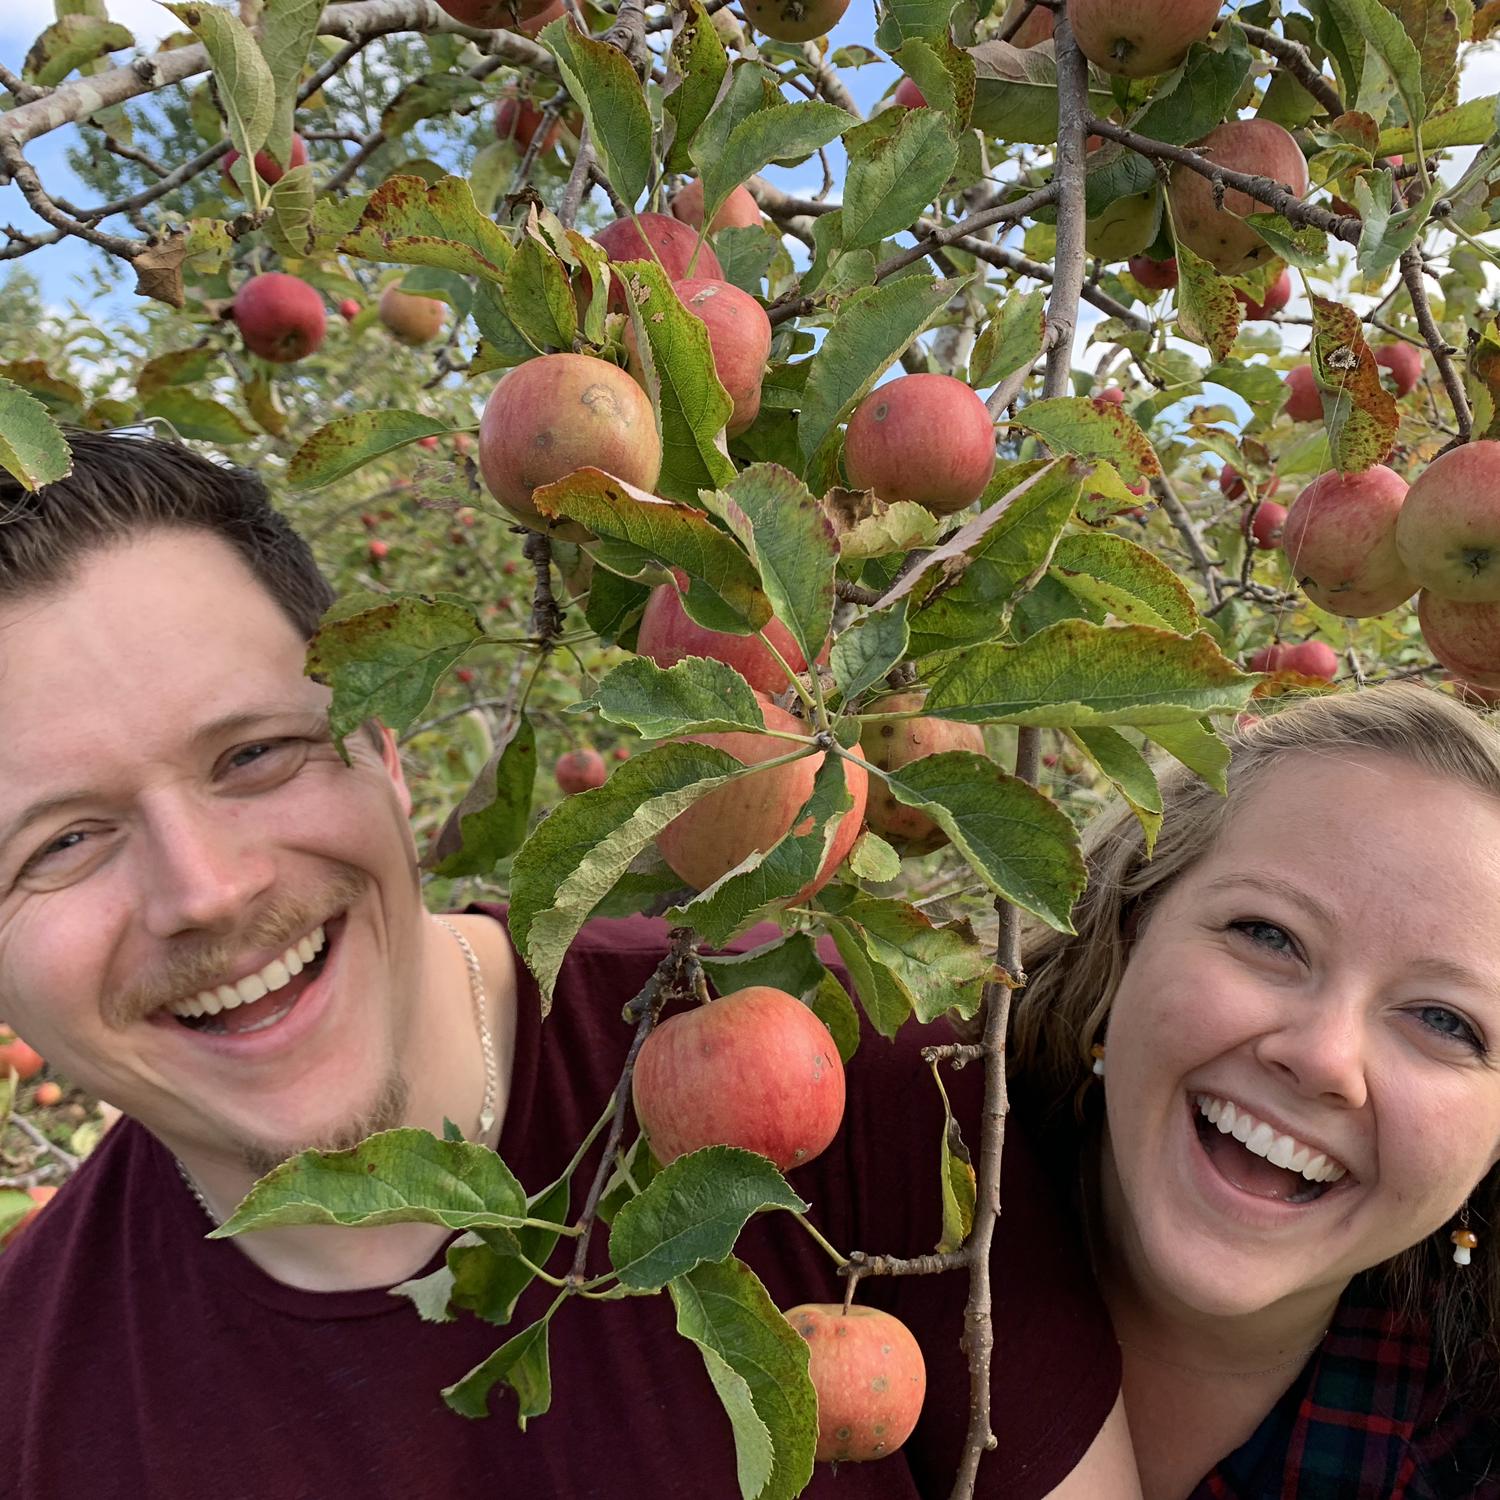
390	758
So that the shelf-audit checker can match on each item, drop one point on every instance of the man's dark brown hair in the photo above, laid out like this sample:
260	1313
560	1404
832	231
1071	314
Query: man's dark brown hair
124	486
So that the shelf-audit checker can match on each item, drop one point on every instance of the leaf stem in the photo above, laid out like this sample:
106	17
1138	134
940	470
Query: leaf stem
812	1229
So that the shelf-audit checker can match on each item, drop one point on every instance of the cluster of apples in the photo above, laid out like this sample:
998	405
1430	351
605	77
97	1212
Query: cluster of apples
25	1062
758	1070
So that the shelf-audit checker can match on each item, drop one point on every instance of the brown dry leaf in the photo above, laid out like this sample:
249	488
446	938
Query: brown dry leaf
158	270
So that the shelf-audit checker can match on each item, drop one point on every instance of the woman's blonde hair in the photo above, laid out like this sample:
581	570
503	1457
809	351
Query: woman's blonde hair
1071	980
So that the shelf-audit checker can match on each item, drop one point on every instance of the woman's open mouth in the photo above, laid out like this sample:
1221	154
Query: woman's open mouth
1254	1158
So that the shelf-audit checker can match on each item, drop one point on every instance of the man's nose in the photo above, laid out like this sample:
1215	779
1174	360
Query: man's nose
207	864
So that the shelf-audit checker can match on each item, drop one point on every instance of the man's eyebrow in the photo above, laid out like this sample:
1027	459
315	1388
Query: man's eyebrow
314	720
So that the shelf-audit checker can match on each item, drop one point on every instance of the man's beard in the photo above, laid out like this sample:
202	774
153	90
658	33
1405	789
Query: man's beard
386	1112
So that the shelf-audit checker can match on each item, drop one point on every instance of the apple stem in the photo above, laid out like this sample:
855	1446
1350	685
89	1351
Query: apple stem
839	1260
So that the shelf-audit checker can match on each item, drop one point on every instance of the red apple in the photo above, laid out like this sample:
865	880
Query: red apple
411	319
267	168
1448	534
1277	296
1112	394
14	1053
379	550
349	309
755	812
909	96
1465	638
1404	361
1219	235
794	20
672	242
1473	694
755	1069
280	317
509	15
48	1094
926	438
41	1197
1232	484
1036	28
1303	402
430	442
580	771
1265	529
1137	39
1340	539
870	1378
558	413
1154	275
897	743
739	210
1307	658
465	675
517	120
668	634
622	752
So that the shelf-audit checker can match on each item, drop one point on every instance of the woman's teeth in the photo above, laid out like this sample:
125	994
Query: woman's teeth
1260	1139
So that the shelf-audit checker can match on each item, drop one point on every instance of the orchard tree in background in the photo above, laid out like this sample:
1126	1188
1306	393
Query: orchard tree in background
837	575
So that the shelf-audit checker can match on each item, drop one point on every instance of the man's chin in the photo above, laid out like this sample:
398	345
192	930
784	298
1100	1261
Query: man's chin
386	1112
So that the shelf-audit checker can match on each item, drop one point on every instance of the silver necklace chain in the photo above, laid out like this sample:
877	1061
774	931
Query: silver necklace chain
486	1043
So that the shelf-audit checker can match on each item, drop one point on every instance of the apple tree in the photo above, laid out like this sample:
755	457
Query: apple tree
1134	366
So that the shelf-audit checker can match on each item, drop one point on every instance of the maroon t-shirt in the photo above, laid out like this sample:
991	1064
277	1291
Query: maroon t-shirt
140	1360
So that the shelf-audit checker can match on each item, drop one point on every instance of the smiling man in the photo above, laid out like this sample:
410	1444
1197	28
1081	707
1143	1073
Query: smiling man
210	919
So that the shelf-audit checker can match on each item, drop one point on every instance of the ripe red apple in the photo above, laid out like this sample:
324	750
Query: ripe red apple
1303	402
622	752
531	25
509	15
48	1094
1265	529
1232	484
411	319
1449	531
1137	39
926	438
349	309
897	743
41	1197
1112	394
1154	275
558	413
1277	296
1404	361
739	210
517	120
1307	658
870	1378
429	442
909	96
668	634
672	241
580	771
1218	234
280	317
724	828
1037	27
1473	694
267	168
794	20
379	550
1465	638
14	1053
1340	539
755	1069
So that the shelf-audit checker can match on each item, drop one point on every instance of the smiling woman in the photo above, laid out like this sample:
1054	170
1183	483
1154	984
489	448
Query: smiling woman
1295	1120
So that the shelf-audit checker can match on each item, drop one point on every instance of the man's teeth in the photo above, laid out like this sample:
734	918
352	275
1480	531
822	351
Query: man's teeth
253	987
1280	1150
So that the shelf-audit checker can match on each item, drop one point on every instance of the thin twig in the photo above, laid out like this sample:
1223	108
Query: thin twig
1442	350
1294	57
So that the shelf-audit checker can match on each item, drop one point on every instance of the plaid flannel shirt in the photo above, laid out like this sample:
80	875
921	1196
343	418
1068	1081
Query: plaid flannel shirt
1367	1419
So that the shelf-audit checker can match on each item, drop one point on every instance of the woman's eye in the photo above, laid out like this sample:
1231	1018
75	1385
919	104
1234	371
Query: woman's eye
1265	935
1449	1024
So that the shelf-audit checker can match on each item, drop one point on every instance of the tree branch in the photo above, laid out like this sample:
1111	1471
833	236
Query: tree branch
1442	350
1294	57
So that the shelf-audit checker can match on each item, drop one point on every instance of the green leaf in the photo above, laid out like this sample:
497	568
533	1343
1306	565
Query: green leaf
640	535
885	999
698	63
874	327
1015	94
1018	841
778	132
1208	312
614	106
873	859
1011	340
863	654
683	382
956	1173
196	417
1384	35
348	443
576	854
14	1204
792	964
522	1363
1135	585
1300	245
489	824
387	661
898	164
412	223
1129	772
61	397
427	97
759	1373
693	1212
697	696
1078	675
790	541
290	227
287	29
69	43
1071	424
758	886
896	527
1197	747
32	447
403	1176
1361	414
1004	563
538	295
247	91
1469	124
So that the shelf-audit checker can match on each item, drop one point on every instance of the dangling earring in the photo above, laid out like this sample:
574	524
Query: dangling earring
1097	1052
1464	1239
